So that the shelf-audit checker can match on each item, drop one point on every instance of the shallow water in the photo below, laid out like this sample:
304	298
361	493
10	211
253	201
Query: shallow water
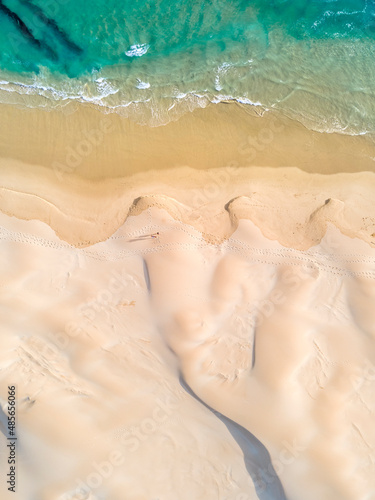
154	60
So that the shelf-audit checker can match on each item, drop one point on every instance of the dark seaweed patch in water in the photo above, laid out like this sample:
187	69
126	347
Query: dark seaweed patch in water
20	24
26	32
51	23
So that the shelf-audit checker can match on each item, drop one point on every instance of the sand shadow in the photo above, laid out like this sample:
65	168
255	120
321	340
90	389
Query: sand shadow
150	236
147	276
257	459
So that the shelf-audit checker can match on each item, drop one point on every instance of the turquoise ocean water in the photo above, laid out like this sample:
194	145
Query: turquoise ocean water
314	60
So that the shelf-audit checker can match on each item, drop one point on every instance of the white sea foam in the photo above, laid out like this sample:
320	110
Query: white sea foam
105	88
245	100
109	94
137	50
142	85
222	69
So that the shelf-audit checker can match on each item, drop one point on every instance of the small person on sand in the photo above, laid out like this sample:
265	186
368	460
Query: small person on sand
155	235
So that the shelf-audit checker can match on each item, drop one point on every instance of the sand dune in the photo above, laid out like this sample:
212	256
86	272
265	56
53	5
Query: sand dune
211	362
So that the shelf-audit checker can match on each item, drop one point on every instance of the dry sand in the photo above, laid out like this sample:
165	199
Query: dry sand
230	358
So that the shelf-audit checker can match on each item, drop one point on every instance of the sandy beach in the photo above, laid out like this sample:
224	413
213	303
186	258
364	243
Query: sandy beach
82	172
232	356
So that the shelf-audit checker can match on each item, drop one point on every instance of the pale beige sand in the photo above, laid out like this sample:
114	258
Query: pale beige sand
258	292
280	341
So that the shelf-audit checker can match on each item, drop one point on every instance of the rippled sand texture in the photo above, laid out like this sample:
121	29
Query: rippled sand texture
169	367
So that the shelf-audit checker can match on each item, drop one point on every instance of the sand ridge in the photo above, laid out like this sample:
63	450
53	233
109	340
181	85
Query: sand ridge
83	212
